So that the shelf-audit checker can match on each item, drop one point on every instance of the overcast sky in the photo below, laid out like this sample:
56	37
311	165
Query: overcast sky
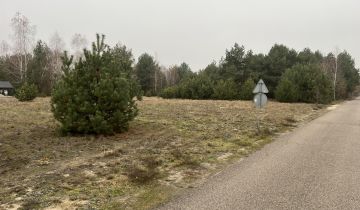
195	31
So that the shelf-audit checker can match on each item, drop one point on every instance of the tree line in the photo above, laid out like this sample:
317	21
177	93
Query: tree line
30	62
291	76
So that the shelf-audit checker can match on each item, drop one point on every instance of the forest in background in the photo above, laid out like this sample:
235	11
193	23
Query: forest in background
291	76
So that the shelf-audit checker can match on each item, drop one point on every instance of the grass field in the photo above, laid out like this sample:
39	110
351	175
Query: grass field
172	145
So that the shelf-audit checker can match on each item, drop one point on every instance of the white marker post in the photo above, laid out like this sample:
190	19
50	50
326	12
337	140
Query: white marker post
260	98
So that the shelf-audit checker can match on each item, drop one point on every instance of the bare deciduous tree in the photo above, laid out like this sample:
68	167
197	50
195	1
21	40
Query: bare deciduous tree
78	43
57	46
163	80
56	43
336	54
172	75
23	37
4	48
156	73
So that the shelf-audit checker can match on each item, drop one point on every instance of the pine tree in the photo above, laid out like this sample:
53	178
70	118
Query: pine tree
39	70
286	91
96	94
304	83
226	90
146	70
246	90
27	92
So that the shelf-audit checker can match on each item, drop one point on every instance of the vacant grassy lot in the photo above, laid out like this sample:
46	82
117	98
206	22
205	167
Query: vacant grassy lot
172	144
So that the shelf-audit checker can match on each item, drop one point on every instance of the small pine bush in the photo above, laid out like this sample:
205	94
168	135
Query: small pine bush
169	92
246	90
97	93
304	83
286	91
226	90
27	92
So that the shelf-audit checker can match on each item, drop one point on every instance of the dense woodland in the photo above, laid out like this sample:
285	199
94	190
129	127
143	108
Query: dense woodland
291	76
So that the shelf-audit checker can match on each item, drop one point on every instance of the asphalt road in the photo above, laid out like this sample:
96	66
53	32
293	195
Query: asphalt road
317	166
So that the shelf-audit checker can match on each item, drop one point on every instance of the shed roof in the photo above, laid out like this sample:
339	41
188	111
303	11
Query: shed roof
6	84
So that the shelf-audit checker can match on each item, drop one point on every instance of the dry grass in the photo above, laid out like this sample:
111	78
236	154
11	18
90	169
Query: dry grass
170	145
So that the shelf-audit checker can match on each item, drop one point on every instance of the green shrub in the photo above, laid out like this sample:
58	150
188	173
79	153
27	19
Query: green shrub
197	87
226	90
184	89
246	90
194	87
169	92
27	92
202	87
304	83
98	94
286	91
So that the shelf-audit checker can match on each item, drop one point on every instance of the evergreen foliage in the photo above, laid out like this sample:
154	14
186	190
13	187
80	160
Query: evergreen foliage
278	60
191	85
290	76
199	87
170	92
235	71
146	69
184	72
304	83
27	92
286	91
38	69
234	63
96	94
348	71
226	90
149	75
246	90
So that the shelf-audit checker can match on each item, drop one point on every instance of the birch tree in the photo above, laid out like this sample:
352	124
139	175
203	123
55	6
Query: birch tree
336	55
172	75
23	38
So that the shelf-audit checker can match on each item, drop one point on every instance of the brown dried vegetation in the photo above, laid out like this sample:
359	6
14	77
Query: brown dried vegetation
170	145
